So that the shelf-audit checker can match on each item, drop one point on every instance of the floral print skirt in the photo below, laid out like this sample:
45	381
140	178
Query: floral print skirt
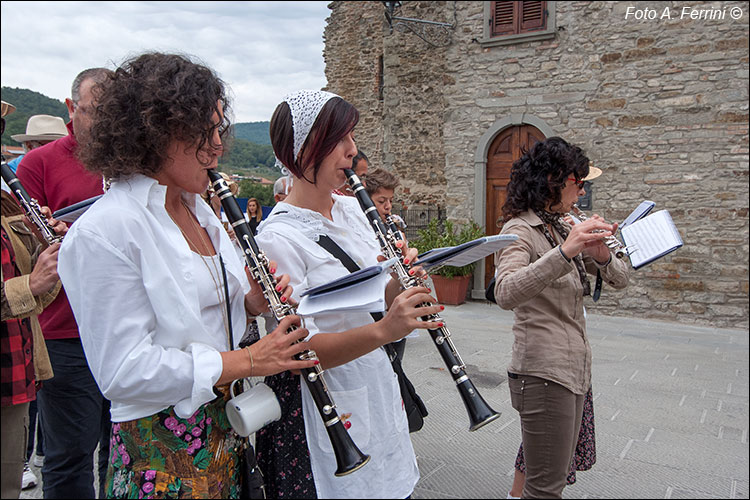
165	456
281	446
585	455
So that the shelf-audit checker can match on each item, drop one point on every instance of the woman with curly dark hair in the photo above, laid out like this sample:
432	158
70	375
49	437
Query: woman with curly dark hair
542	278
158	291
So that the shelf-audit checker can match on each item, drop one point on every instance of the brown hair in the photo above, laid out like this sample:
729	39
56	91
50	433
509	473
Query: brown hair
380	178
259	213
148	102
336	119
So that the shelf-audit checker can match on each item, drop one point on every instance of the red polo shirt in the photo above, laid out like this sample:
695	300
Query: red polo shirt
55	178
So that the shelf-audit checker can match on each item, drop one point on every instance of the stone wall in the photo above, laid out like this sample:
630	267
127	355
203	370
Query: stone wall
660	105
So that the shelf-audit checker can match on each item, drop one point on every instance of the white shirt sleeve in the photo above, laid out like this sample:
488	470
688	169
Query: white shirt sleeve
119	329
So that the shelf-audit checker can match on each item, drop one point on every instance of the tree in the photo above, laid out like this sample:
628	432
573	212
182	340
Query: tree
263	193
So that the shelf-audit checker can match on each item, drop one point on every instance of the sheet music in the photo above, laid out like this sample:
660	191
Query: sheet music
640	211
650	238
475	250
366	295
71	213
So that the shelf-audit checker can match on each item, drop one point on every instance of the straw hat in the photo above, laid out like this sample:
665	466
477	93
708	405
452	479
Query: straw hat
8	108
42	128
593	173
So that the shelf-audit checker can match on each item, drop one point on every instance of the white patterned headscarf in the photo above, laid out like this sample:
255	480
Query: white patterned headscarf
305	106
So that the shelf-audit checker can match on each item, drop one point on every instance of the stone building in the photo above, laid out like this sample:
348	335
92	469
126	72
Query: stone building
656	93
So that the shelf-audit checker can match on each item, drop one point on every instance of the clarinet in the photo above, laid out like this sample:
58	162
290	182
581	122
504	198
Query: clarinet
479	411
348	457
30	205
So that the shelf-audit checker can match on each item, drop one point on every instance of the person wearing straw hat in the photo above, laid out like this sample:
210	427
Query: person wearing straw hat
40	130
29	284
543	278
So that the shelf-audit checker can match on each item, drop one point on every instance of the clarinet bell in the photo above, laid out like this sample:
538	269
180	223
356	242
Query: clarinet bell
480	413
349	458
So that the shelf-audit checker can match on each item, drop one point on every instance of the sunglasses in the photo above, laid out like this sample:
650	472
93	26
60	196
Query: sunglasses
578	183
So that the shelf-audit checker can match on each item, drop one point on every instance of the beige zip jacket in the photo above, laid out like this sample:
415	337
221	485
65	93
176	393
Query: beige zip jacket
17	299
545	293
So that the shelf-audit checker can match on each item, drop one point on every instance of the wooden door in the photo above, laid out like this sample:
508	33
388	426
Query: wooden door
508	146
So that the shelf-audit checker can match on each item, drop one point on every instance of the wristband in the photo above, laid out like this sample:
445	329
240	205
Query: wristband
563	253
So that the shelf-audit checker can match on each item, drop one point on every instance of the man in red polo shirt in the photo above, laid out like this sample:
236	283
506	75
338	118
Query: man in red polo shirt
74	412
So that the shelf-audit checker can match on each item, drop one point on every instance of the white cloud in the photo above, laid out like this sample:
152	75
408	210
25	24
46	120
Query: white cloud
262	50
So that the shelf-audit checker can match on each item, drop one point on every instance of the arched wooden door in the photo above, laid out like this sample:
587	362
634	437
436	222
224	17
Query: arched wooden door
507	147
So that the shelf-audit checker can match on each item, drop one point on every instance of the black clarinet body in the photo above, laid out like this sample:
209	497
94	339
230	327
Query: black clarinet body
480	413
30	205
348	457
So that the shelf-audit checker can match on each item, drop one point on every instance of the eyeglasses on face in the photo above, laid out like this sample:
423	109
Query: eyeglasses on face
578	183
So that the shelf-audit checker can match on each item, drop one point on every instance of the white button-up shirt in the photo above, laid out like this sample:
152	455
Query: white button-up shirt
138	297
367	388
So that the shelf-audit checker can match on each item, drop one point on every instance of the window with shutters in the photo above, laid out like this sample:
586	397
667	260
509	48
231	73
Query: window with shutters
508	22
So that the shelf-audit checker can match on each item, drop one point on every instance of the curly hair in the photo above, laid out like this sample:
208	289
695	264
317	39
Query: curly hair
336	119
538	177
148	102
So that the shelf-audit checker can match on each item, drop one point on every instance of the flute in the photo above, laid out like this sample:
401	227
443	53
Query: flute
614	244
479	411
348	457
30	205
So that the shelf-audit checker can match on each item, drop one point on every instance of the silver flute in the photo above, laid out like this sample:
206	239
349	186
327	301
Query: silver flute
480	413
614	244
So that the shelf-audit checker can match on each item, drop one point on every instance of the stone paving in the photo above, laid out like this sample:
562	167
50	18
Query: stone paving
670	405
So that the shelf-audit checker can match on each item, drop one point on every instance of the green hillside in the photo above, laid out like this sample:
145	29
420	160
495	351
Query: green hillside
256	132
249	153
28	103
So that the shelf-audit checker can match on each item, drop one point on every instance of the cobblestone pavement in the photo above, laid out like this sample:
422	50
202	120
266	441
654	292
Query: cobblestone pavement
670	405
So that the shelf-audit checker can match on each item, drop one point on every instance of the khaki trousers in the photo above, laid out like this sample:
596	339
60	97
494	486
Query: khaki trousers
15	432
550	422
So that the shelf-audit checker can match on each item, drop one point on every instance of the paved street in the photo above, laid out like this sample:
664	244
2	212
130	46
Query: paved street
670	400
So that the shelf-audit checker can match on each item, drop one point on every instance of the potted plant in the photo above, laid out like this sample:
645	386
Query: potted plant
451	283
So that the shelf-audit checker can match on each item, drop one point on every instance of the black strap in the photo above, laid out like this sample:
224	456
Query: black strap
226	299
334	249
598	286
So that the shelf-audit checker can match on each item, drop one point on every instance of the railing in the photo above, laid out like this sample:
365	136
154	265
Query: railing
417	218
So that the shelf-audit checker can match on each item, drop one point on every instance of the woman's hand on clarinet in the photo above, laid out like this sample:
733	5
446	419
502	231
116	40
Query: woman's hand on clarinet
404	314
255	301
582	238
274	353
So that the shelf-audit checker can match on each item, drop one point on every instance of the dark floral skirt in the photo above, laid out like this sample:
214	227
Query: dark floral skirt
281	446
585	455
165	456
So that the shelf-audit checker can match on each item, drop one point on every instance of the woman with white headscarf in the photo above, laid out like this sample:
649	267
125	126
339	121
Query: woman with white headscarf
312	136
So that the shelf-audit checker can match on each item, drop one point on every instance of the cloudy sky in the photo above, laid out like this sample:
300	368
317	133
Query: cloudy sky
263	50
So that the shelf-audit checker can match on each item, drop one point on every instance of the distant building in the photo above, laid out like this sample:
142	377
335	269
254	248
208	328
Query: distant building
11	152
659	104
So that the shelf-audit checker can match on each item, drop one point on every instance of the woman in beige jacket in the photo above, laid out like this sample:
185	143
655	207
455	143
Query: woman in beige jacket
543	278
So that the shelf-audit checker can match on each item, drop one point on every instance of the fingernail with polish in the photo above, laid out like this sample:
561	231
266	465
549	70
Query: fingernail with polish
283	299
